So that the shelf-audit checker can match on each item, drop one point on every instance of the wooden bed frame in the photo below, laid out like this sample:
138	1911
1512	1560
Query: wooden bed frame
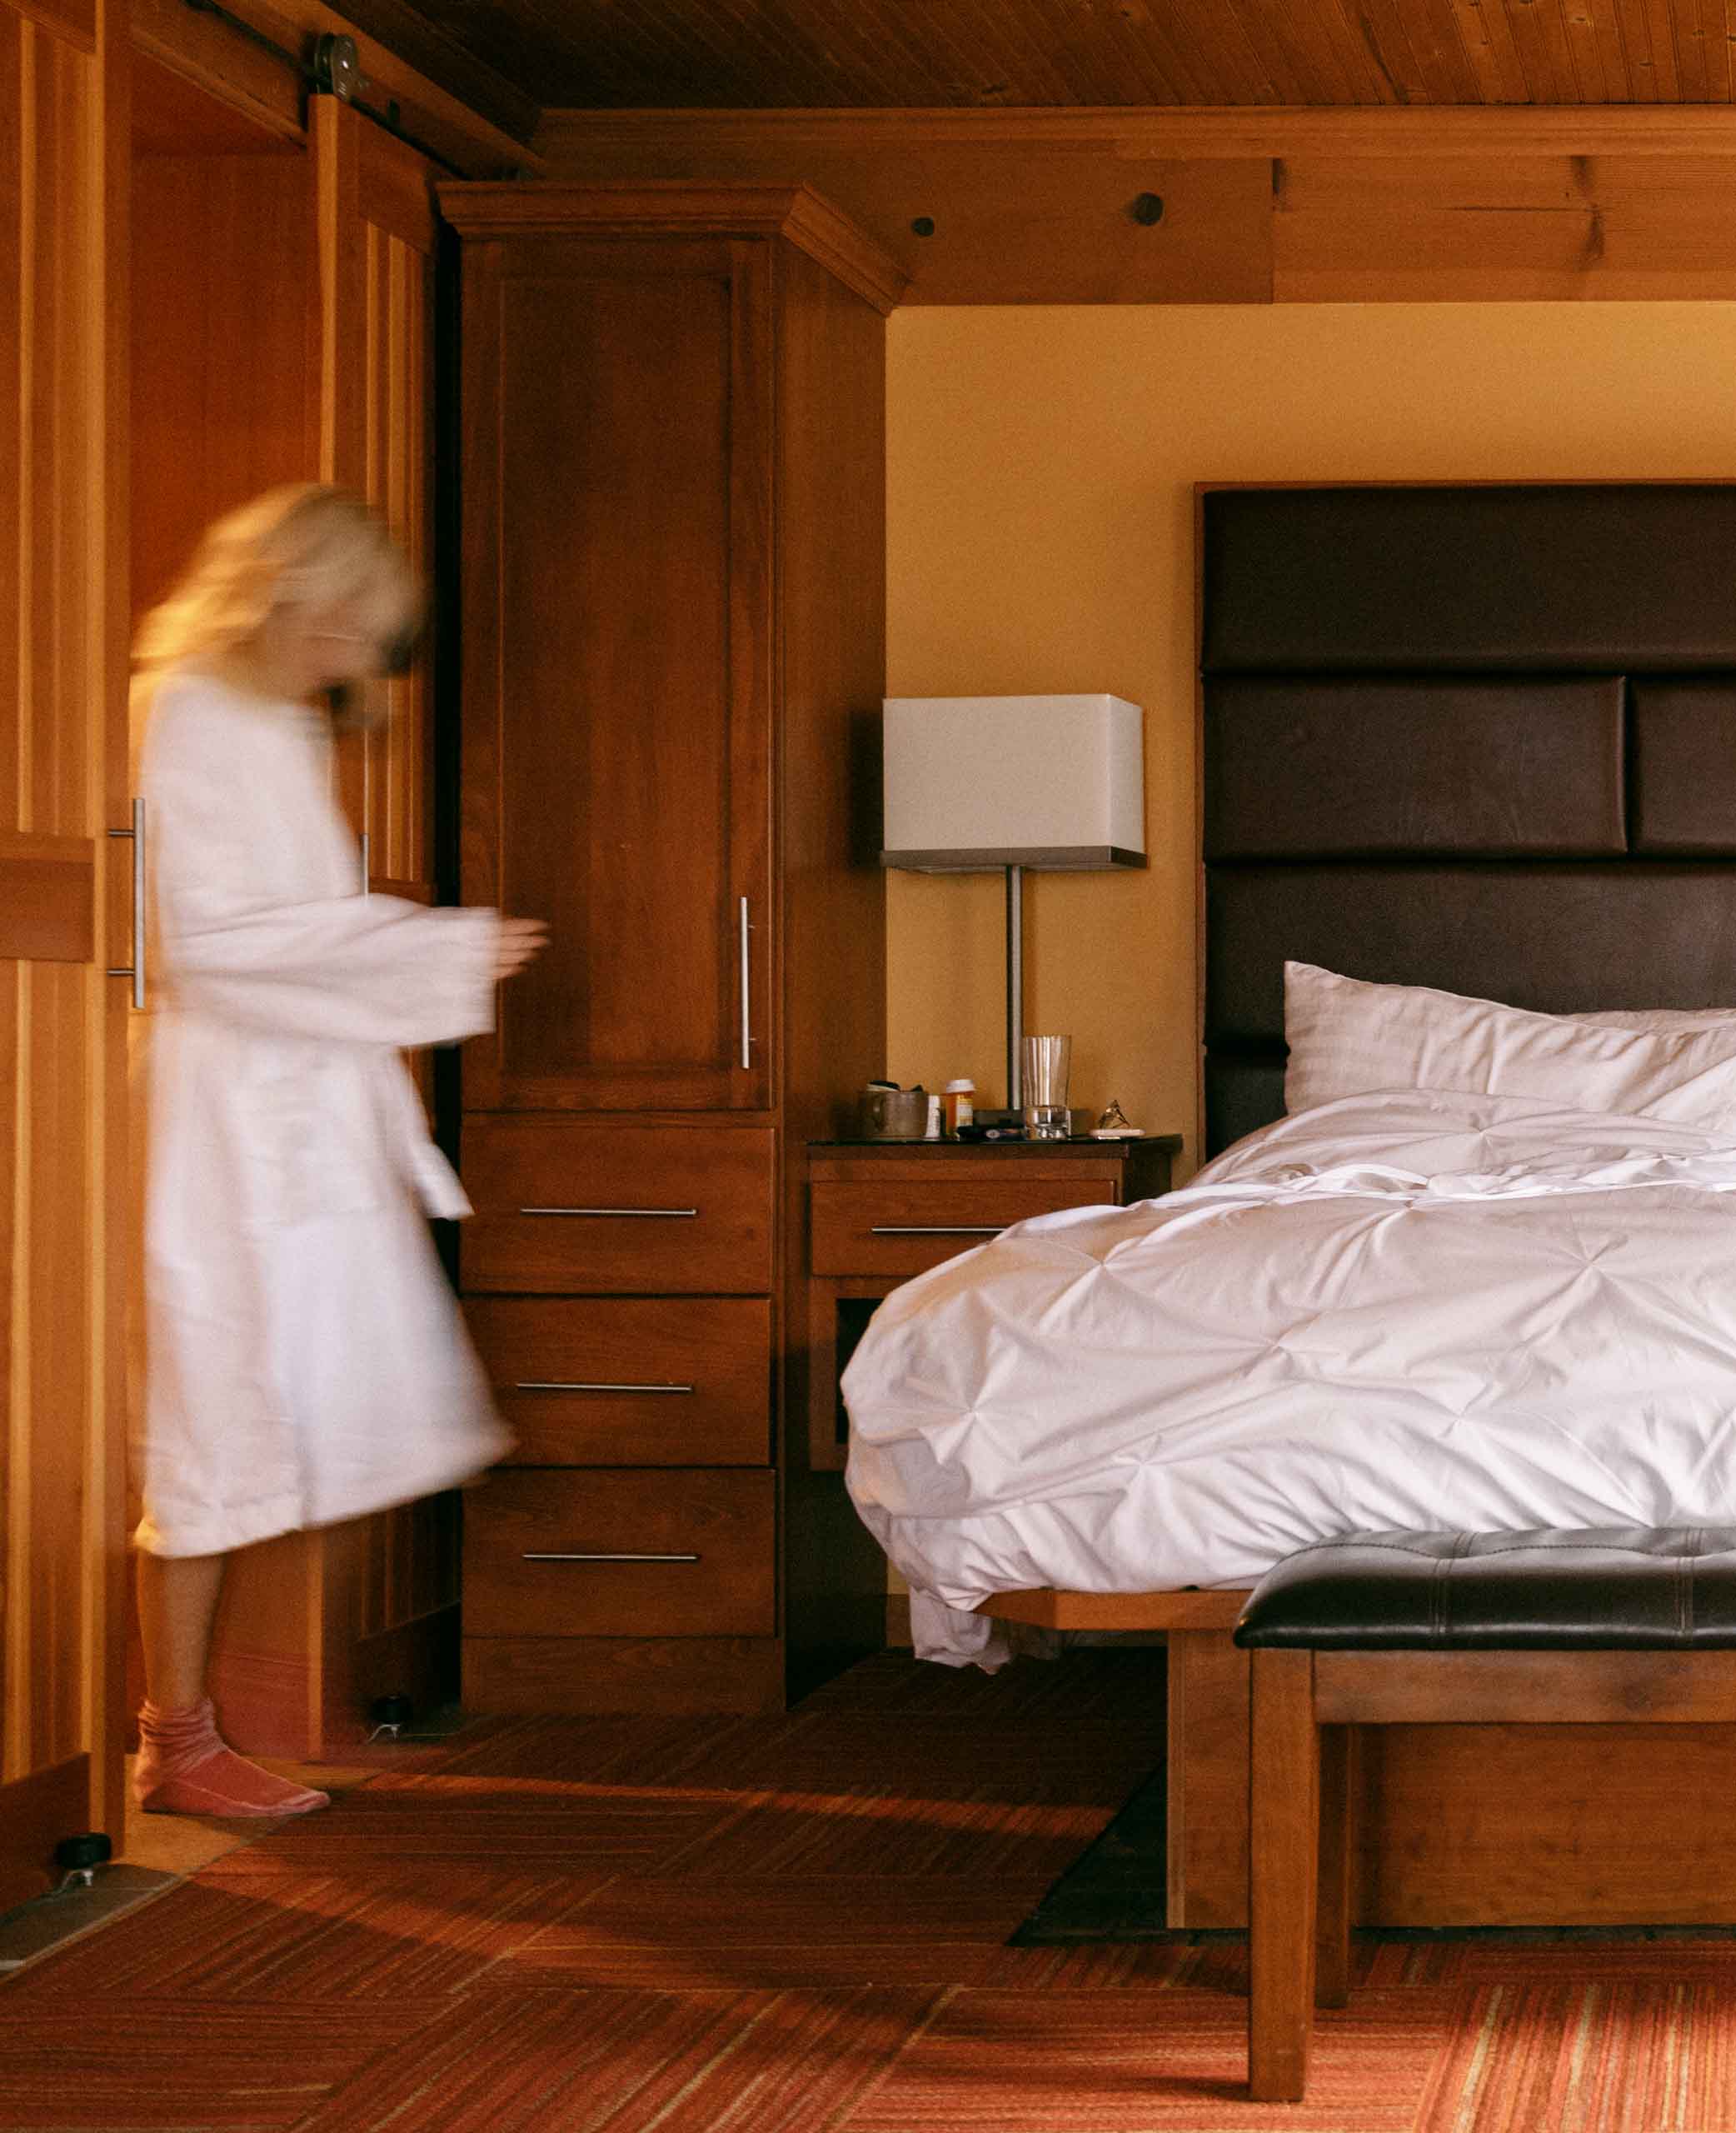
1611	883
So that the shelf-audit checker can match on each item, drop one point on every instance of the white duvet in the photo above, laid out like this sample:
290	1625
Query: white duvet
1415	1309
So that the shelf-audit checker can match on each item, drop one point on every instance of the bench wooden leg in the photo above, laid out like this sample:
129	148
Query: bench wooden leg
1338	1835
1284	1813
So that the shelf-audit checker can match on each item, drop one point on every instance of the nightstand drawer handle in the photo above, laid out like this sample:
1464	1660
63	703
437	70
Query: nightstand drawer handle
561	1384
937	1229
670	1214
551	1556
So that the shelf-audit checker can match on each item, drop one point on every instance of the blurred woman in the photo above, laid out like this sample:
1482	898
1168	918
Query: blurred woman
305	1362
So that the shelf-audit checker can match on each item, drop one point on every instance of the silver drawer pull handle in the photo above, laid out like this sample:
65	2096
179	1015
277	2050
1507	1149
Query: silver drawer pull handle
937	1229
670	1214
561	1385
533	1556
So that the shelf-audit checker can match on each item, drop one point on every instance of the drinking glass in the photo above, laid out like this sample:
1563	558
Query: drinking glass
1044	1063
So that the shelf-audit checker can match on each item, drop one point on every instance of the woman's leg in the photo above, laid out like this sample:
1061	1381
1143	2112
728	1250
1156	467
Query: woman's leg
184	1767
177	1605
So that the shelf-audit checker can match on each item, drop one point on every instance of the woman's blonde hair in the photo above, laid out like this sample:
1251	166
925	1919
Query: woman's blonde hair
306	545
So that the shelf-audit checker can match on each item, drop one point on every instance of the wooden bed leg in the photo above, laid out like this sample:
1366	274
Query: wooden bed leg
1338	1845
1208	1780
1285	1814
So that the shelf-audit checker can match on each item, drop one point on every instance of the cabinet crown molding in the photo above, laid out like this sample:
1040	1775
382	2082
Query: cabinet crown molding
678	207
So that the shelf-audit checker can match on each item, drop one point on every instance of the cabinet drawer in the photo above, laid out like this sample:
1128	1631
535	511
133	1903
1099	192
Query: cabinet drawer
888	1228
630	1381
579	1205
552	1551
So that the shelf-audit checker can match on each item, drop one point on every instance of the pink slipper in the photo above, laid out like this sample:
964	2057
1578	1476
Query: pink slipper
185	1768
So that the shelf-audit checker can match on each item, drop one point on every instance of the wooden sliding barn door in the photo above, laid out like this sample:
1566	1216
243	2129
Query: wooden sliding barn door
385	1589
377	235
63	921
376	259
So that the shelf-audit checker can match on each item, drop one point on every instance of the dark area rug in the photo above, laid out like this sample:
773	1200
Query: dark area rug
1118	1888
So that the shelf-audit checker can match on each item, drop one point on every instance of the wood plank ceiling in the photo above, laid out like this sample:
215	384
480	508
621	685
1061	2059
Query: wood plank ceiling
1010	54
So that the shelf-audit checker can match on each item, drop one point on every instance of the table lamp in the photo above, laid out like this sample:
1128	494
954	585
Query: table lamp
1012	784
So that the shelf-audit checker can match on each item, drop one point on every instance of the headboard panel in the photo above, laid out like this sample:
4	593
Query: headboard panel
1482	738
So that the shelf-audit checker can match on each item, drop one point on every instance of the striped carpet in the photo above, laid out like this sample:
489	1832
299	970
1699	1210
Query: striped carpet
799	1925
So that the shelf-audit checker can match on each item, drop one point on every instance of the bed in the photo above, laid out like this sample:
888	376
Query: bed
1478	742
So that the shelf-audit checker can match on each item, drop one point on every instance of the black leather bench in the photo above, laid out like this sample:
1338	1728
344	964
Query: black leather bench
1556	1626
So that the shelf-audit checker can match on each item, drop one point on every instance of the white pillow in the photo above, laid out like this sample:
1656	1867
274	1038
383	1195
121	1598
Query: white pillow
1347	1037
1669	1022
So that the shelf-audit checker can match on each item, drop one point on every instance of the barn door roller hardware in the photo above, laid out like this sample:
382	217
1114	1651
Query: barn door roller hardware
333	69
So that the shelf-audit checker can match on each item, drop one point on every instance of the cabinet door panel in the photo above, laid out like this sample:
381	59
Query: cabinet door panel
617	695
63	916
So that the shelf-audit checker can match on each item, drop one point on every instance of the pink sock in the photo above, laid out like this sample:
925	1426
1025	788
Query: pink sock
184	1768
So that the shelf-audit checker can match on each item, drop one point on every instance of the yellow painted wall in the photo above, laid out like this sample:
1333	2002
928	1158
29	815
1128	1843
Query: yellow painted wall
1041	480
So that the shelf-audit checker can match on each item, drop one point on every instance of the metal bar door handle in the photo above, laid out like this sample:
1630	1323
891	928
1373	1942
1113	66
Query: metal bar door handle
747	1020
937	1229
599	1555
646	1214
561	1385
136	969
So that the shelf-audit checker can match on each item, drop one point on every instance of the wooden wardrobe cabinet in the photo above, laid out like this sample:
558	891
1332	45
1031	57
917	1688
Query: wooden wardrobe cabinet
673	628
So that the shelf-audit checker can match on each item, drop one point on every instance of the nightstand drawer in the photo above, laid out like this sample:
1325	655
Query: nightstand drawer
630	1381
621	1552
579	1205
902	1228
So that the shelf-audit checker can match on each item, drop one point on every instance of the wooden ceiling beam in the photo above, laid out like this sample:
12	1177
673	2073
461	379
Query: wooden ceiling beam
1231	132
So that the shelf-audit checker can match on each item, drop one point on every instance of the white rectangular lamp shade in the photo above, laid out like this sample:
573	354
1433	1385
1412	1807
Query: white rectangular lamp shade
974	783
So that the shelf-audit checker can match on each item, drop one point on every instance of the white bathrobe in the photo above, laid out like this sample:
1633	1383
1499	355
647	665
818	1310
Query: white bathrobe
305	1360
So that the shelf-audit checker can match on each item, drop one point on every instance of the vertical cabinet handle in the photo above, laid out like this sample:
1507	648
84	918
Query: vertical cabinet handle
136	969
747	1022
366	841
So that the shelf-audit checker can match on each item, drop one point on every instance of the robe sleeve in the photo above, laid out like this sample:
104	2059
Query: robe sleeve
367	970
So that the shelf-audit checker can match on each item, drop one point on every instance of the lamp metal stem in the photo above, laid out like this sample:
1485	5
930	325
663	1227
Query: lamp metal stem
1014	986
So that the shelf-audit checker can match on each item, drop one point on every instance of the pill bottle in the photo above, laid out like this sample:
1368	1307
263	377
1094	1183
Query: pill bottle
960	1104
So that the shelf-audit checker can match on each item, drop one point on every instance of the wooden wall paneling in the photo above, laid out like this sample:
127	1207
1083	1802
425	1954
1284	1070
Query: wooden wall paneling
1455	204
224	387
1051	228
1617	226
62	1136
1668	225
1355	229
48	897
235	70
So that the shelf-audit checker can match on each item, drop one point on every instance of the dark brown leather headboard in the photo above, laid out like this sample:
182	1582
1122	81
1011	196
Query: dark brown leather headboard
1482	738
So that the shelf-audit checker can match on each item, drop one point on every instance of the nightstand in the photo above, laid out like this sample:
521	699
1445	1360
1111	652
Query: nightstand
880	1210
